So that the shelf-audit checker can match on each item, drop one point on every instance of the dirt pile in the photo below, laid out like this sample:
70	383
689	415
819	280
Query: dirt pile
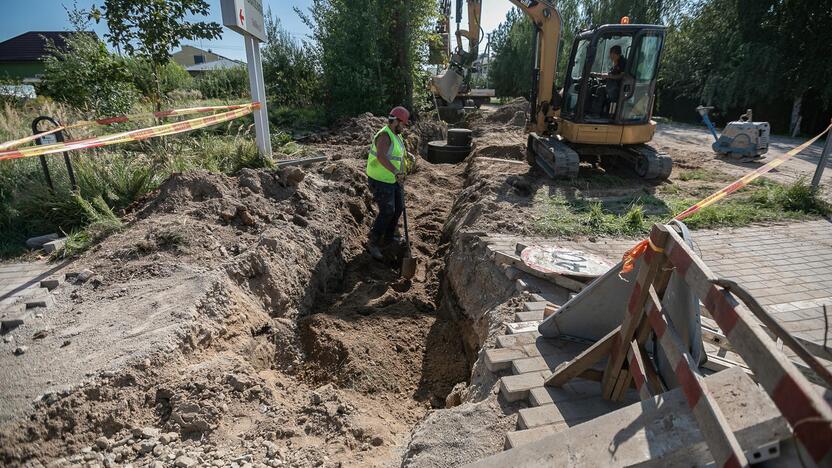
512	113
239	320
350	138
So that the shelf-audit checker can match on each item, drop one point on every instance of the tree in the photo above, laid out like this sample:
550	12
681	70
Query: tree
737	54
290	68
87	76
149	29
510	71
371	53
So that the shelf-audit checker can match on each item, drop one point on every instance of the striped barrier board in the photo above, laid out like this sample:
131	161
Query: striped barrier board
808	414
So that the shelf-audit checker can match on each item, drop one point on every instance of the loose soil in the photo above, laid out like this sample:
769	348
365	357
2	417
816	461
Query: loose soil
238	321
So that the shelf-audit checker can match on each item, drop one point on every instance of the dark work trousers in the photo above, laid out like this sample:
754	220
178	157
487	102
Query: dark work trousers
390	201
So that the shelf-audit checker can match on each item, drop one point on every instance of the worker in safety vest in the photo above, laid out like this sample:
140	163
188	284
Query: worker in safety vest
387	165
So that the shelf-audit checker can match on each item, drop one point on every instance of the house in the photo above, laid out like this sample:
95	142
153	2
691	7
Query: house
190	55
220	64
22	57
196	60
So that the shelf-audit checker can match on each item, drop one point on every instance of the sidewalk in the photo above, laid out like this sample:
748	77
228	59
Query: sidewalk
787	267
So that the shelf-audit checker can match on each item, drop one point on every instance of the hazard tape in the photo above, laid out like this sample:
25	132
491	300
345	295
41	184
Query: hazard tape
133	135
638	250
120	119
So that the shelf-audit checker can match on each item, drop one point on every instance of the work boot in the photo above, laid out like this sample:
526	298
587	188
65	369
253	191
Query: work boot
374	251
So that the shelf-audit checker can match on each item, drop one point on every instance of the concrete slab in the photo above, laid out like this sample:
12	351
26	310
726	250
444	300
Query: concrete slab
529	316
527	436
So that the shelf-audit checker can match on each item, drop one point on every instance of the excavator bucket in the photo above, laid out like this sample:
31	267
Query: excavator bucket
447	84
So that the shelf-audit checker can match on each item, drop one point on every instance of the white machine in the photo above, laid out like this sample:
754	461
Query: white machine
742	139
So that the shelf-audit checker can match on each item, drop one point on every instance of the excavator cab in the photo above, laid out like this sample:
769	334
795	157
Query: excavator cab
606	106
591	99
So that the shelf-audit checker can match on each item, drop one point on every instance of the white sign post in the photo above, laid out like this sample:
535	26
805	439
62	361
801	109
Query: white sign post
246	17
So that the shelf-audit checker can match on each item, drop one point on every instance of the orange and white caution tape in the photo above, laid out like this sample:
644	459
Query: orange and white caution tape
133	135
638	250
120	119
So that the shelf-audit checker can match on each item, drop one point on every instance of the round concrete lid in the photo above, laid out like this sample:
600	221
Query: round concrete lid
553	259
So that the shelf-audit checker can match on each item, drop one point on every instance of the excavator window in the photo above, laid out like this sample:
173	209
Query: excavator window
572	87
638	100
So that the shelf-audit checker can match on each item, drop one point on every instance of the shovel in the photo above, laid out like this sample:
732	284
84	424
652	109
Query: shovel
408	262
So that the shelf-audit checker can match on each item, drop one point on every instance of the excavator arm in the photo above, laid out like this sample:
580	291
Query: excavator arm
547	21
546	18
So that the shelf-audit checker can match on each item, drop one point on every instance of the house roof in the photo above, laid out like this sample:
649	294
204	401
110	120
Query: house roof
209	51
31	46
215	65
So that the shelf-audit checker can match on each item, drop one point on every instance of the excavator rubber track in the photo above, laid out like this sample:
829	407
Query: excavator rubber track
557	159
650	163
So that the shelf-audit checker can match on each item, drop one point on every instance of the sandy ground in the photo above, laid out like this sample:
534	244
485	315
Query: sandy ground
693	143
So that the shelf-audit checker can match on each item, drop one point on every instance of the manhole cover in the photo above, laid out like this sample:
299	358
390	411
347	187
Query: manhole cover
551	259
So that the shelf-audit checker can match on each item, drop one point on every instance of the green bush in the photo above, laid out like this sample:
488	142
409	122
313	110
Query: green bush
88	77
225	83
171	77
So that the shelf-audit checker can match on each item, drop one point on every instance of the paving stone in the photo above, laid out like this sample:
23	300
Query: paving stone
525	436
528	316
54	245
505	341
517	387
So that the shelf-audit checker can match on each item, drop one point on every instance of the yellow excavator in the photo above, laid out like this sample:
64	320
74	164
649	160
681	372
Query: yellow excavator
599	116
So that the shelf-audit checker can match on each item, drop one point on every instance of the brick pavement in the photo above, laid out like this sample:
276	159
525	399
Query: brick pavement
787	267
17	278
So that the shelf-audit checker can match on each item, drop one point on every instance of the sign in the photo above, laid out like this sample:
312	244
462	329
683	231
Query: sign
244	17
551	259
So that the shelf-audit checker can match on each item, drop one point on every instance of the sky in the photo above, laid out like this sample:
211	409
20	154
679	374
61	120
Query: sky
49	15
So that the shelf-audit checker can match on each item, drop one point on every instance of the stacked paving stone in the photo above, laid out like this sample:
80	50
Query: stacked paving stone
24	290
526	359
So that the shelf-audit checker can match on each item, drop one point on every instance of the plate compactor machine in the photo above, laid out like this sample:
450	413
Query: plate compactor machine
604	112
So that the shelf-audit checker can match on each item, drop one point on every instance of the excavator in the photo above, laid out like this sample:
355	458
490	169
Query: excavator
587	120
462	63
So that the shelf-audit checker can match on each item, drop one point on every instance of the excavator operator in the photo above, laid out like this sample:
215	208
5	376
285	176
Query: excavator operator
613	79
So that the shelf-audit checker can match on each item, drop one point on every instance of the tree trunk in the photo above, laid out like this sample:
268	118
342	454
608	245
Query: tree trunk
794	125
404	53
157	84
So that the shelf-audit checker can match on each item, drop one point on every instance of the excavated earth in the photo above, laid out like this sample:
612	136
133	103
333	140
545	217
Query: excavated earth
238	321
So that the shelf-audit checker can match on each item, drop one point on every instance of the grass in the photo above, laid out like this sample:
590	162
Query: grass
760	202
109	179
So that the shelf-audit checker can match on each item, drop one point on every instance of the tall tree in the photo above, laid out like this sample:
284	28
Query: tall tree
371	53
291	68
150	29
747	53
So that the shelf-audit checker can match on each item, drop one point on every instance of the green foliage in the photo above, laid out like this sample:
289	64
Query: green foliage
225	83
290	68
510	71
150	29
735	53
172	76
88	77
369	52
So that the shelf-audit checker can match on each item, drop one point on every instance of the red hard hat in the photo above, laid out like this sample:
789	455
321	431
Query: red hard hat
400	113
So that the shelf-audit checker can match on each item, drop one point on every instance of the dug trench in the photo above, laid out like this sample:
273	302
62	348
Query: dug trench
238	320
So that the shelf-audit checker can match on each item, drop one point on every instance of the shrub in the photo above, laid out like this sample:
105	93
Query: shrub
87	76
171	77
225	83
